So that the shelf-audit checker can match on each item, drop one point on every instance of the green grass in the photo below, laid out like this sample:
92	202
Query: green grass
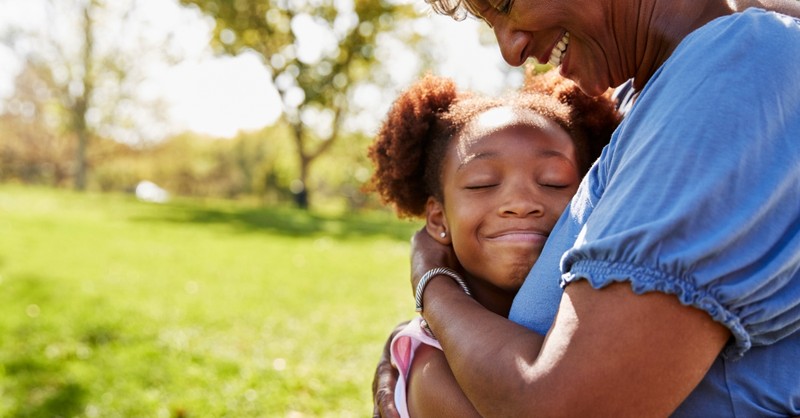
110	307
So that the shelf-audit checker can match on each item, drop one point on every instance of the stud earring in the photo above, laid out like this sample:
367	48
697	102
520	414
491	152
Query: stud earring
443	234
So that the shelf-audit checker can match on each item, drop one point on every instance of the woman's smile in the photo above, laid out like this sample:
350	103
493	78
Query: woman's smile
559	50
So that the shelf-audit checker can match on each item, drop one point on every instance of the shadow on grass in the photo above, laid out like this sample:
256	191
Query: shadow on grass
41	388
40	385
37	355
55	399
291	222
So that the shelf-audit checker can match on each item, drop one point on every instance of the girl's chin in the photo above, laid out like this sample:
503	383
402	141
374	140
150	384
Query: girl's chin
514	275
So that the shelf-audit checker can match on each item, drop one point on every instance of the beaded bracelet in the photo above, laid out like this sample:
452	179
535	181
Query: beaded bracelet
438	271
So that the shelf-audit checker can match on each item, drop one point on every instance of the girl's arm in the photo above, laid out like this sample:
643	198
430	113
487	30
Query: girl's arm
432	390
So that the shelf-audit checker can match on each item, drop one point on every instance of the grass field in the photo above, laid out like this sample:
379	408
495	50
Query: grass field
110	307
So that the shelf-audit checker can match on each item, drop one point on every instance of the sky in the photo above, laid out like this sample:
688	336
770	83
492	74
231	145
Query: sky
203	97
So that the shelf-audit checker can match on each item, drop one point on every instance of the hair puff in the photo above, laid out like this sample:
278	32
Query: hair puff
405	139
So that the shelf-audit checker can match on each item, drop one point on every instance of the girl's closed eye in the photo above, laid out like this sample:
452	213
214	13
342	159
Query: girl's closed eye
479	175
558	176
480	186
479	179
555	186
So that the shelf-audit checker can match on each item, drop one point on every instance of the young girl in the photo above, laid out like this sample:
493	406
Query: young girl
491	177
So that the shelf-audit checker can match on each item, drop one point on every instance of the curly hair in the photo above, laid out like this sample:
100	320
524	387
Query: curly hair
410	147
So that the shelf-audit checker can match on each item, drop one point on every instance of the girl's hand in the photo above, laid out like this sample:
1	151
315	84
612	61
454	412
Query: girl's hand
385	380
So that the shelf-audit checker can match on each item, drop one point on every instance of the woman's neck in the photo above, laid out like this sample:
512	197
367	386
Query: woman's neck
665	23
787	7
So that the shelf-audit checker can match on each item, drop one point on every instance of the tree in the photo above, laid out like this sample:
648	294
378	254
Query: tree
31	151
89	59
319	52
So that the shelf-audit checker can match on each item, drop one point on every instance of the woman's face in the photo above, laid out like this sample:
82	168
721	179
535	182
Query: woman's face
580	36
506	180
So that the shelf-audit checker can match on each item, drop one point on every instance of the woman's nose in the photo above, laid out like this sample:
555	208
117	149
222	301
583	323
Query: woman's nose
512	43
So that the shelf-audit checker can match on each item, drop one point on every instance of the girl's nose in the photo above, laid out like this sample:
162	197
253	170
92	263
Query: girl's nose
521	201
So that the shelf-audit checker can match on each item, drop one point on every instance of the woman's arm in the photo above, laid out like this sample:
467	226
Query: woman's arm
610	352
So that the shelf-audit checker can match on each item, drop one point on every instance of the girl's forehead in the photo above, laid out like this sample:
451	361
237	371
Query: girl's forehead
500	118
507	122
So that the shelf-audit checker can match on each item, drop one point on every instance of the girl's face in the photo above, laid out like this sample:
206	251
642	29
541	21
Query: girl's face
506	180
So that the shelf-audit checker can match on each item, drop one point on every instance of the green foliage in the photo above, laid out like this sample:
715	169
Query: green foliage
32	155
258	164
81	78
341	174
266	28
317	91
113	307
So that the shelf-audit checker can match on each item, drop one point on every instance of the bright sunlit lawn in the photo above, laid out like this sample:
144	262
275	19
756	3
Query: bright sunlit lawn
114	307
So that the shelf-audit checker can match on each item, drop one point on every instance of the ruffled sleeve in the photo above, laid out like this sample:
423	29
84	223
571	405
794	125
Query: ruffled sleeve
402	349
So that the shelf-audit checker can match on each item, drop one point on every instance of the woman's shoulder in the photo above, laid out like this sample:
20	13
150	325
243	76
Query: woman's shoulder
734	59
743	28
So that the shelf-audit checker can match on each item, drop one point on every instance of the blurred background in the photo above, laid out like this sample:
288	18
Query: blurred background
272	99
183	230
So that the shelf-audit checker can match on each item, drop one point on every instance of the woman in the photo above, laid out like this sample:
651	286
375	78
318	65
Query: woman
679	257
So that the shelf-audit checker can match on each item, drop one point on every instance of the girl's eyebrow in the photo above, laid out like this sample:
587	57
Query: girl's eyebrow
467	159
485	155
551	153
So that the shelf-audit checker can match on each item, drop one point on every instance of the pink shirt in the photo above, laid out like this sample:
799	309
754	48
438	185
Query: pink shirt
403	347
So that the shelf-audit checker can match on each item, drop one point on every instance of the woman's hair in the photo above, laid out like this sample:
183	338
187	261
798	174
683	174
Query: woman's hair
412	142
457	9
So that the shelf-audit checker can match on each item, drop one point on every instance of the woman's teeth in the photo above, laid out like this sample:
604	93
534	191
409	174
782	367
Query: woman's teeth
559	51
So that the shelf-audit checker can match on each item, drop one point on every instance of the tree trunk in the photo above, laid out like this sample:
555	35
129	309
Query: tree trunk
81	105
301	193
80	160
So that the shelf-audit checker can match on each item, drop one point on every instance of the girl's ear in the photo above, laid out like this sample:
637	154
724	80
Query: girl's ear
436	222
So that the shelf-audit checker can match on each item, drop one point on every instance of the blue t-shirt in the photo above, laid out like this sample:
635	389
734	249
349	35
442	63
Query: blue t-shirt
698	195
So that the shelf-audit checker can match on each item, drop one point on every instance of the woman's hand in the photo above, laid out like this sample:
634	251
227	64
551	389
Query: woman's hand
427	253
385	380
